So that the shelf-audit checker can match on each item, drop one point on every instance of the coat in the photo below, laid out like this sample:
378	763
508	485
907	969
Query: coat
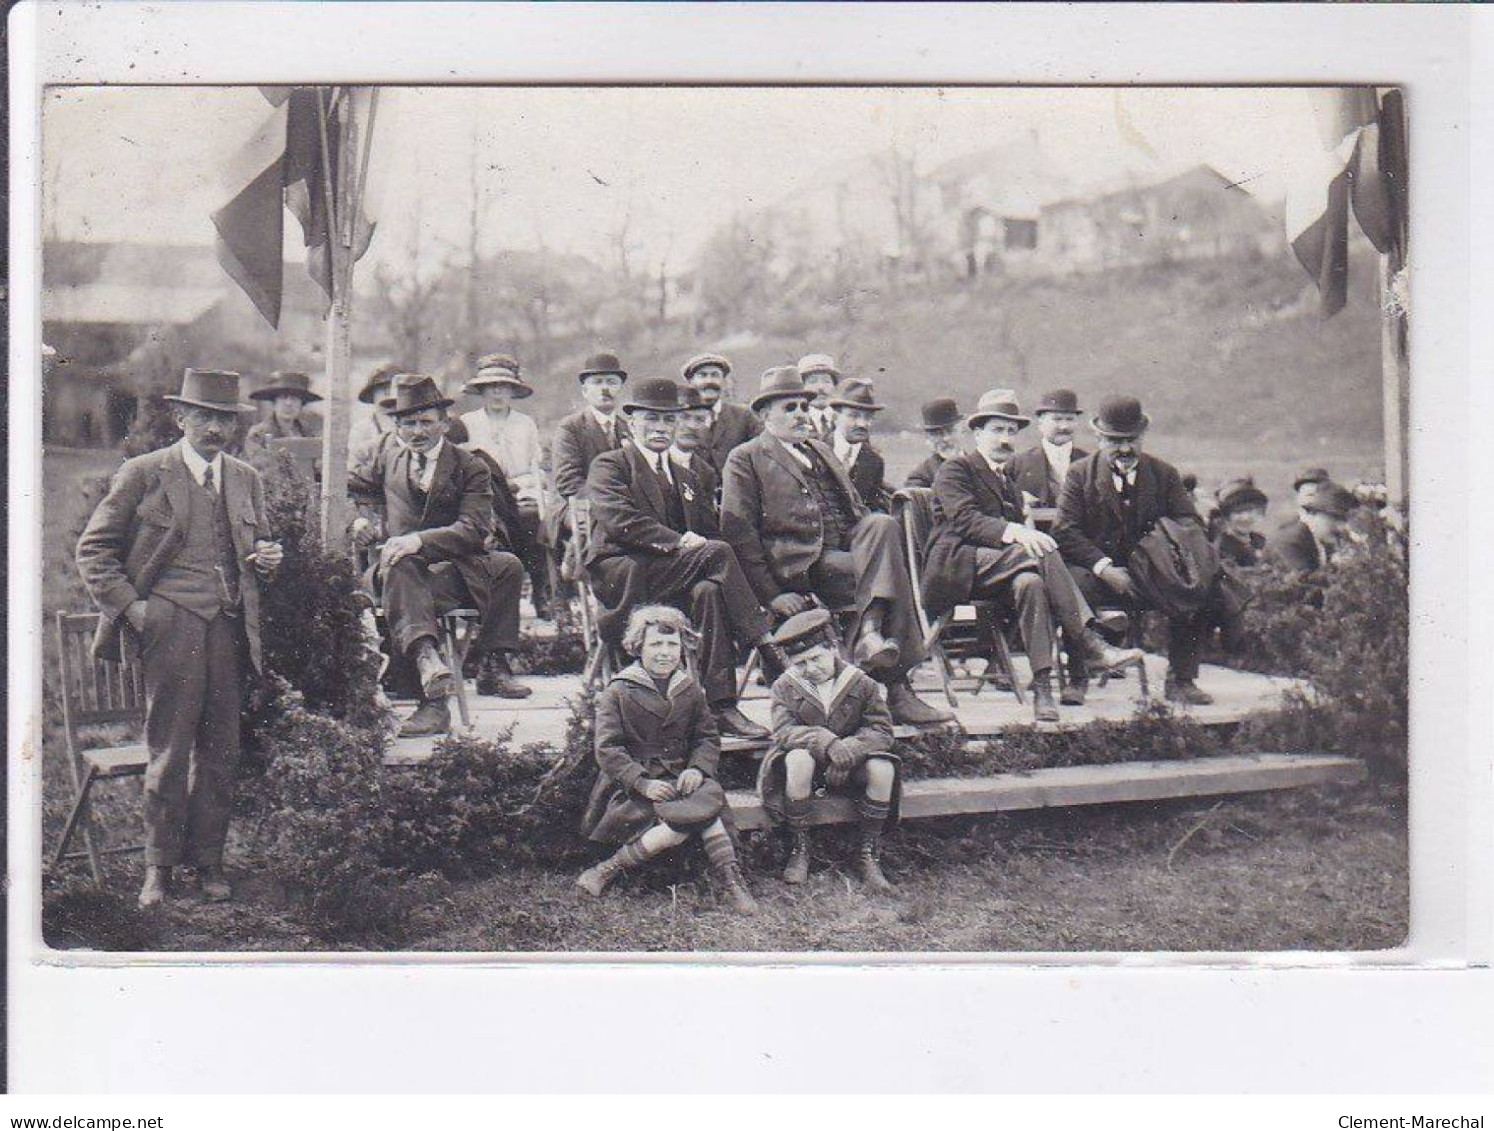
629	514
734	425
1238	552
140	526
1294	548
642	734
858	715
976	504
703	502
769	514
579	439
454	521
1091	523
866	475
1031	473
923	474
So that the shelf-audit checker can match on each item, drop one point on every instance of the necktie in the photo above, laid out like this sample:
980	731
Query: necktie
417	470
207	480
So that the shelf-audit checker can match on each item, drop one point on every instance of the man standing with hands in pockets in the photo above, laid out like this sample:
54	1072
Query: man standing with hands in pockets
173	557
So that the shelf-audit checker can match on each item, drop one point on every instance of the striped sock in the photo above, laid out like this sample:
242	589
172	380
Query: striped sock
718	847
632	854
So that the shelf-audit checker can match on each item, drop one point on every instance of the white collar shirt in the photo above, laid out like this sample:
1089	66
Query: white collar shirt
1058	459
427	473
199	466
845	451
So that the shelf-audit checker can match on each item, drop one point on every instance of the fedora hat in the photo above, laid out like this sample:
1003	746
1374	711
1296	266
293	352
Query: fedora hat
1000	404
690	398
657	394
777	383
415	392
381	378
942	412
1311	475
819	363
216	389
1121	418
1239	495
1059	400
856	393
602	365
700	360
498	369
283	384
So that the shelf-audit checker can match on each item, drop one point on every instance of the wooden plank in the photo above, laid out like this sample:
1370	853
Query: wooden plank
1086	785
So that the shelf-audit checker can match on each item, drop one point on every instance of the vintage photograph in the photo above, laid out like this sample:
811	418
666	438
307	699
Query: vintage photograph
724	520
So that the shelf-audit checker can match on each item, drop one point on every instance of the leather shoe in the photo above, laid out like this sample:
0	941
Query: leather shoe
215	885
1043	707
733	724
909	710
430	718
1187	692
874	652
495	679
1073	693
157	886
1100	656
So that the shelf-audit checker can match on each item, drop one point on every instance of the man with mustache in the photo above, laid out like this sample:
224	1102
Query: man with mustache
1040	471
855	407
820	377
167	557
800	531
983	549
730	424
941	421
1110	501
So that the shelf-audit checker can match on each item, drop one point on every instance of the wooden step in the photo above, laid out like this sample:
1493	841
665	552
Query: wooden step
1085	785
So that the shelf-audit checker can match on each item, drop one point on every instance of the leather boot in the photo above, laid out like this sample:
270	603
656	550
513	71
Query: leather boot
1074	692
796	870
215	885
875	653
873	819
432	717
495	678
910	710
731	723
157	886
596	879
729	883
436	679
1100	656
1044	709
1187	692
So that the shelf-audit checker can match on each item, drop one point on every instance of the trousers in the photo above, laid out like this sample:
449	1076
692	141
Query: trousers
1040	592
1185	635
193	686
416	592
875	568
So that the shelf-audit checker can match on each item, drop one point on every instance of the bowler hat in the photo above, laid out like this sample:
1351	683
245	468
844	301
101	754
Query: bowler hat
602	365
701	360
1331	499
415	392
283	384
1311	475
381	378
856	393
690	398
999	404
657	394
778	383
942	412
498	369
215	389
1120	418
1239	495
1058	400
803	631
819	363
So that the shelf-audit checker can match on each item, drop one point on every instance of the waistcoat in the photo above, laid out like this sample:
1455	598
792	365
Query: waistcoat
204	578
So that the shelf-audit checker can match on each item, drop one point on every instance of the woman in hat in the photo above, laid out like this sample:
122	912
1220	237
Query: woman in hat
378	394
287	394
1241	509
511	440
657	747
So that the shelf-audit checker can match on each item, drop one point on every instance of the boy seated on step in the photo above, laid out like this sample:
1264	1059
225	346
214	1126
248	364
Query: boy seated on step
657	746
832	732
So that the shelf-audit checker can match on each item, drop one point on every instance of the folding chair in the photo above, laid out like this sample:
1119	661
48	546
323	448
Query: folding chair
970	631
95	693
600	663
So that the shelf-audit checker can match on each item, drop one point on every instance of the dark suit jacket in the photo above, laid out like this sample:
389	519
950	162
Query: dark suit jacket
702	500
579	439
866	476
1294	548
1032	474
1091	523
628	511
735	424
770	517
976	504
140	527
923	474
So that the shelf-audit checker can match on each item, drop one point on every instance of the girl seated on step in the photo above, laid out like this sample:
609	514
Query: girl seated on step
657	746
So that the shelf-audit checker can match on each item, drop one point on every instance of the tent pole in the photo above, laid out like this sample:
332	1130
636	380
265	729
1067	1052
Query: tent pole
1395	394
338	417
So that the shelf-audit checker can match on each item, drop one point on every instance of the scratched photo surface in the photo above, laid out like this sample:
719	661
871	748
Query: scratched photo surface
724	520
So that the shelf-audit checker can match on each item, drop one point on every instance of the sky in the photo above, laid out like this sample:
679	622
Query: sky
566	167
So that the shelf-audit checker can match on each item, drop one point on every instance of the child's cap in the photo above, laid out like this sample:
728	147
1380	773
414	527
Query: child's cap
803	631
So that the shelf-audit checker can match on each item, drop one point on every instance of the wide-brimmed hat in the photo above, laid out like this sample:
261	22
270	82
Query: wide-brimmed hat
1331	499
690	398
778	383
602	365
657	394
382	377
803	631
856	393
997	404
498	369
216	389
415	392
1239	495
1311	475
1120	418
701	360
941	412
819	363
1058	400
285	384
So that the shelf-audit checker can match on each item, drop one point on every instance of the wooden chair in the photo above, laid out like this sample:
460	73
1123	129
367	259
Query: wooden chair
964	633
95	694
600	662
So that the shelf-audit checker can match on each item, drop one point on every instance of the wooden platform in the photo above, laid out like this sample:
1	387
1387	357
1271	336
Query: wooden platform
1085	785
543	716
